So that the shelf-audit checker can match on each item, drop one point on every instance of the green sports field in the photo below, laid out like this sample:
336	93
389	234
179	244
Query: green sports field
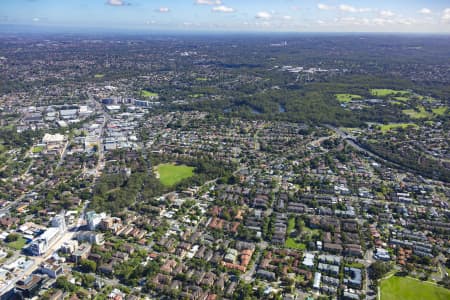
387	127
405	288
420	113
387	92
440	111
171	174
343	98
148	94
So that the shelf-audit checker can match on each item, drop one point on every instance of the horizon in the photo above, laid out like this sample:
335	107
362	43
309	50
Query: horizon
229	16
82	31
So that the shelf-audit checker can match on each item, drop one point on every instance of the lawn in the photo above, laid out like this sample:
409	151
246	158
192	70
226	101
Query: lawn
410	289
148	94
196	95
37	149
290	242
17	245
343	98
402	98
201	79
420	113
171	174
439	111
387	127
99	75
387	92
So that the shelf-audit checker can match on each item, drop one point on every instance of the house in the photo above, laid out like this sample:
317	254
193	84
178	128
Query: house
317	279
353	277
266	275
382	254
332	247
308	260
8	221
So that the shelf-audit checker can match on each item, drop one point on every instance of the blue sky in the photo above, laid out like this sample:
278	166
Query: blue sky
234	15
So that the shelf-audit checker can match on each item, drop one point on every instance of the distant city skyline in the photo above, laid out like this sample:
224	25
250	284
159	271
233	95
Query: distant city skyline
232	15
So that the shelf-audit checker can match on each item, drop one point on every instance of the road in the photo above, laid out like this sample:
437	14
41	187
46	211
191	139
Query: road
351	141
66	236
247	276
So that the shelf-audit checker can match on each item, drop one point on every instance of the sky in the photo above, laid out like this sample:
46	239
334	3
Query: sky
427	16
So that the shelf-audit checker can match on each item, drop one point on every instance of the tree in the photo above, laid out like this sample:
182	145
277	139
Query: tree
378	269
88	280
87	265
64	284
12	237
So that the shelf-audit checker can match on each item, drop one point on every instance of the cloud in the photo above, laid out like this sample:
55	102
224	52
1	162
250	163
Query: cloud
381	21
387	13
425	11
163	10
208	2
287	18
446	16
352	9
348	8
116	3
263	15
324	7
407	21
223	9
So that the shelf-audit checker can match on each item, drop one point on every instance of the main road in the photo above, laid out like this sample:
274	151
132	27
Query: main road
67	235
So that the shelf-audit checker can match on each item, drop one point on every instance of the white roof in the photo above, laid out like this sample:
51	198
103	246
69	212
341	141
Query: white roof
49	138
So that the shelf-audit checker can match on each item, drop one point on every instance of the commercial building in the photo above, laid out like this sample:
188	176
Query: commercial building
42	243
28	287
94	219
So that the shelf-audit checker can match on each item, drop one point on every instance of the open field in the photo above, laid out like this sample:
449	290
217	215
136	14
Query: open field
387	127
387	92
17	245
196	95
420	114
290	242
148	94
343	98
407	288
37	149
171	174
402	98
440	111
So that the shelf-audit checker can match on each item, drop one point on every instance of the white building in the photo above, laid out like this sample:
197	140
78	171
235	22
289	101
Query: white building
317	279
59	222
43	242
94	219
53	138
53	141
382	254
